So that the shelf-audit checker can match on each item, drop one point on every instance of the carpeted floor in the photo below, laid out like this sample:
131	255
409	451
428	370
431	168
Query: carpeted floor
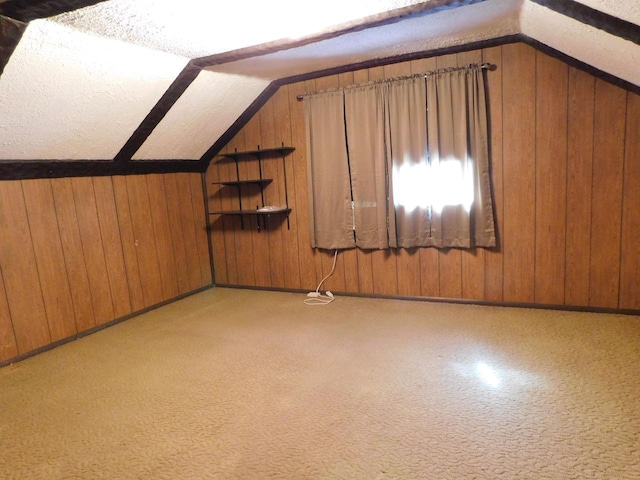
235	384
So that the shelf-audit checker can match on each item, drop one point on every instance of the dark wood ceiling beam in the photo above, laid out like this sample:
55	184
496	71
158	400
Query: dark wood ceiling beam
10	34
158	112
595	18
27	10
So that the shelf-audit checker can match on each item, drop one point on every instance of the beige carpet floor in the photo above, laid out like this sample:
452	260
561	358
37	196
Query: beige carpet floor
239	384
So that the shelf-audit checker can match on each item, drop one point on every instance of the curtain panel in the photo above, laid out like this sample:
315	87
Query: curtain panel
405	163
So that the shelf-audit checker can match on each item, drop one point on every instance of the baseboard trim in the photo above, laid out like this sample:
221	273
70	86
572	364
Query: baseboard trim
460	301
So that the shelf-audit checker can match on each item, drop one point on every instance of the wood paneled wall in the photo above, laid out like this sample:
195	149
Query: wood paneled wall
76	253
566	177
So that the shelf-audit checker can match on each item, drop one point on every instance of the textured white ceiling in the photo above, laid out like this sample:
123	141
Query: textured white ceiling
65	95
196	28
80	84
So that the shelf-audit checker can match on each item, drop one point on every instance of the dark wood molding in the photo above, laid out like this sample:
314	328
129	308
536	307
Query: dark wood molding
24	169
27	10
158	112
240	122
595	18
10	34
372	21
574	62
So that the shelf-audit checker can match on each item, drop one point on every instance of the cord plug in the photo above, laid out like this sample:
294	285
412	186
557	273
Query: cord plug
329	294
313	294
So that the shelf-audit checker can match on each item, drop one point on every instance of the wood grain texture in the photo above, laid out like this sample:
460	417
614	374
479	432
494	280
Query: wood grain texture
493	257
579	175
162	234
188	223
93	249
127	235
519	145
20	271
112	242
606	200
180	253
8	347
553	135
43	224
630	260
199	215
551	178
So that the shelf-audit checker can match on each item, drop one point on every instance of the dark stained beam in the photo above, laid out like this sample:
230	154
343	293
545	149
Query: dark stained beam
158	112
10	34
23	169
27	10
595	18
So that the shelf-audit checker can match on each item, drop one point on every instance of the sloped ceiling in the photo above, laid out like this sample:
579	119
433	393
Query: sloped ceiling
102	87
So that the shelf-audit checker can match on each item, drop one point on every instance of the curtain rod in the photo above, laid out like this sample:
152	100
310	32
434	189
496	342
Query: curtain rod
471	66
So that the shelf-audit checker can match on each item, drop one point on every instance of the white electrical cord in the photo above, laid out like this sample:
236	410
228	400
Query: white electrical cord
317	298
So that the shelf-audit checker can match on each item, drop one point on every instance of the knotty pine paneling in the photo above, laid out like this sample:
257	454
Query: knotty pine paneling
565	168
77	253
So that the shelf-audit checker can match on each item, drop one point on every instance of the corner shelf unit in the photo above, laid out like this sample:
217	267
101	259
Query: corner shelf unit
262	212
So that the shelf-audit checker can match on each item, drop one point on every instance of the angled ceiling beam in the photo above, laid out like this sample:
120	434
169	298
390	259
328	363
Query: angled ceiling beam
595	18
10	34
27	10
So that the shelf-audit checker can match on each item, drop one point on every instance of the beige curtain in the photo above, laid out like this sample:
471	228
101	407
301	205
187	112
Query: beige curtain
407	127
401	164
330	213
369	164
461	207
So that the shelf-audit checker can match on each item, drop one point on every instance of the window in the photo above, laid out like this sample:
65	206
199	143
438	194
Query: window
402	163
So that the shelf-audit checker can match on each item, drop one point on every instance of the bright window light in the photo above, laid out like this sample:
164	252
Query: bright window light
438	185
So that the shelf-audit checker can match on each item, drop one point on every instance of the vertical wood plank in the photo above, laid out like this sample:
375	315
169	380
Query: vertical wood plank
20	272
274	194
144	239
71	241
163	237
187	220
579	177
519	171
493	256
217	233
93	249
177	236
43	224
606	204
8	347
630	252
199	214
551	178
283	121
306	254
128	239
114	256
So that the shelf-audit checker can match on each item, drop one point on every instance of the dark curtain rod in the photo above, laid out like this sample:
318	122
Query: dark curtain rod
484	66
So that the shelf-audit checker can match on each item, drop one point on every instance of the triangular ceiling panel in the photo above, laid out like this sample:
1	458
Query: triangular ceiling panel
132	82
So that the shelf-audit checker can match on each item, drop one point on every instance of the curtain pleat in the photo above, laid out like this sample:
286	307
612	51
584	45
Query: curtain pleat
406	162
330	214
407	128
369	164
